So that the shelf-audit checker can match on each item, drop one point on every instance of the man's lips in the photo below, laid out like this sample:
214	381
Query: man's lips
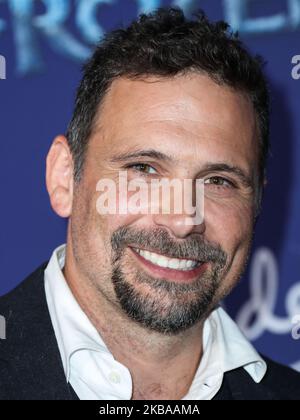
184	271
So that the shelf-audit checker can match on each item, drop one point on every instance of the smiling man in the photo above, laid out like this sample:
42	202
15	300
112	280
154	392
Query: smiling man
129	307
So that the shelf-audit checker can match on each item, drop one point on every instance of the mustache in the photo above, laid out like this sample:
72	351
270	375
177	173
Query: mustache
158	240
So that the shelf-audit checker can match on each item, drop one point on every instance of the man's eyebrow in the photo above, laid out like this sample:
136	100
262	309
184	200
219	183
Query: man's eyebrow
235	170
137	154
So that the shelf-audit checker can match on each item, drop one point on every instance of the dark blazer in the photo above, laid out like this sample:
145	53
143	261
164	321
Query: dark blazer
31	367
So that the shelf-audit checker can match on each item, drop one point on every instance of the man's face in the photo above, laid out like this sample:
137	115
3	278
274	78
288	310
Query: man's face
161	272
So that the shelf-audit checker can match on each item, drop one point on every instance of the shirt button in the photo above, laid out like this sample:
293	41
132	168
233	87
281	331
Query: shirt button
114	377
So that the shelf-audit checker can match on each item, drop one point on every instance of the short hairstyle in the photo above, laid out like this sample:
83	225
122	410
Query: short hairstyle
166	43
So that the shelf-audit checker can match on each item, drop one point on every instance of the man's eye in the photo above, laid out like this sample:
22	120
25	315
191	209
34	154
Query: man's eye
218	181
143	167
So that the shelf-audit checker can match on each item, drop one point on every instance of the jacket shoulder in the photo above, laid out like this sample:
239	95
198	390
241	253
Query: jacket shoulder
279	383
23	294
20	309
30	362
282	380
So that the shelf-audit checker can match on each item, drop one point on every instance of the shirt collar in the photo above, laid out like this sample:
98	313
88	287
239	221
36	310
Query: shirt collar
235	348
225	348
73	330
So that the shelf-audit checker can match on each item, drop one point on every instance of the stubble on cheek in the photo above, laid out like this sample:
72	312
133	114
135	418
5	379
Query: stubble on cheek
90	237
237	265
236	227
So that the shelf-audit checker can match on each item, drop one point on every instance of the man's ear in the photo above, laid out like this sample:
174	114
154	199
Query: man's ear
59	176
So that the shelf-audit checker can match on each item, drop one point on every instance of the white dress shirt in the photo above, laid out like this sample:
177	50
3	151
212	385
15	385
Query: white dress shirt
93	372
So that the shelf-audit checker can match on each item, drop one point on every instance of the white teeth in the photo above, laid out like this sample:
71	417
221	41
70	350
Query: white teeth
165	262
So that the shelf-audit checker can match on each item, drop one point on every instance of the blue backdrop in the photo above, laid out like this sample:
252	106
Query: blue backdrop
42	46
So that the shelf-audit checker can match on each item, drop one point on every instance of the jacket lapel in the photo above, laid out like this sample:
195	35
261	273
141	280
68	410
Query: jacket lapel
30	352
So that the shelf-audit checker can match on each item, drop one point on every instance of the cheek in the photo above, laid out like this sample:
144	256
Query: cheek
123	208
229	223
108	224
231	226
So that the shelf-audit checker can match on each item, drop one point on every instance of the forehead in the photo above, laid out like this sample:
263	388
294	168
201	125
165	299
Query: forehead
189	113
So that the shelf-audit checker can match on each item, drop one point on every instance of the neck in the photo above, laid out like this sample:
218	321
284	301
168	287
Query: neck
162	366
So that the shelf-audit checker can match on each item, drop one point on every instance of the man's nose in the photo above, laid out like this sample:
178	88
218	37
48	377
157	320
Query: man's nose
179	225
182	210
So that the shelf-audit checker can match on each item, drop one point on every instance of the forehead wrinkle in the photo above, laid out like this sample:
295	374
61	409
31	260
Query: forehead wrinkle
200	117
186	120
191	135
171	108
